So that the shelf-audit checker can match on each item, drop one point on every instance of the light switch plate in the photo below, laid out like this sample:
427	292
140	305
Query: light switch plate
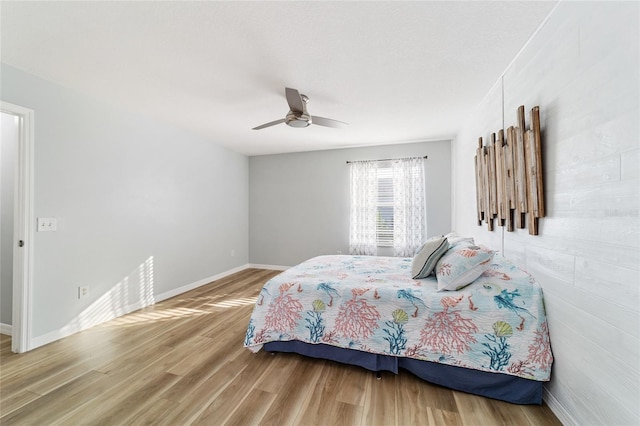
46	224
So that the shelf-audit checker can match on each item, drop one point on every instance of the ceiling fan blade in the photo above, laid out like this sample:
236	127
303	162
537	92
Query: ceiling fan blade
294	100
328	122
272	123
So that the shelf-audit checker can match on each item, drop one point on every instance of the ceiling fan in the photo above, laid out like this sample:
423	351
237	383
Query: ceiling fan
298	115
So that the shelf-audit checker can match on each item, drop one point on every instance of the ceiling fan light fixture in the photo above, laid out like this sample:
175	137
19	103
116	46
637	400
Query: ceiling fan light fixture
298	121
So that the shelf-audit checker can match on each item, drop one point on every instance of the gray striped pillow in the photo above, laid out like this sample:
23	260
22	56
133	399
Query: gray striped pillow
425	260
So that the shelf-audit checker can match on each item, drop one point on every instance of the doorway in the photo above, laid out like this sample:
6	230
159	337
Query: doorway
20	122
9	126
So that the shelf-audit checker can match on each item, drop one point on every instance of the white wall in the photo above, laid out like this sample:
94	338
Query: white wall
8	155
582	69
300	202
143	208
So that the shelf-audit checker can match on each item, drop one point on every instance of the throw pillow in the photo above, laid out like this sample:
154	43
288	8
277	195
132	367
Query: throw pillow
455	239
461	265
427	257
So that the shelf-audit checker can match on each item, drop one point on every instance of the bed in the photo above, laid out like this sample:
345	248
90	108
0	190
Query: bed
489	338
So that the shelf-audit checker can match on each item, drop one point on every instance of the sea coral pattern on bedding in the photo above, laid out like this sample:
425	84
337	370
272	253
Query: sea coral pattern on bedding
496	324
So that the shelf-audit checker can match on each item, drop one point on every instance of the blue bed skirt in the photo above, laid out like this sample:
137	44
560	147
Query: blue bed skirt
491	385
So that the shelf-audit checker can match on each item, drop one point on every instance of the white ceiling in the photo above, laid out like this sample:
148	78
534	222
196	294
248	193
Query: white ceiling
396	71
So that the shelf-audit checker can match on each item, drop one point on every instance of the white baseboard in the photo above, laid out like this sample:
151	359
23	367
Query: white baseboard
172	293
271	267
558	409
6	329
78	324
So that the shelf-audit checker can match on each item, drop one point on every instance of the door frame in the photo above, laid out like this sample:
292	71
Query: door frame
23	230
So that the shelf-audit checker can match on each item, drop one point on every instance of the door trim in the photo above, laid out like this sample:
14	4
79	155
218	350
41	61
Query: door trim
23	230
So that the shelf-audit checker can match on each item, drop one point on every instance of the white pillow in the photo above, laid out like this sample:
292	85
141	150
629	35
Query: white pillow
454	239
461	265
426	258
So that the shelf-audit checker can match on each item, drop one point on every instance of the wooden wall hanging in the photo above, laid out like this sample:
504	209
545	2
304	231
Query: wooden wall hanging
509	181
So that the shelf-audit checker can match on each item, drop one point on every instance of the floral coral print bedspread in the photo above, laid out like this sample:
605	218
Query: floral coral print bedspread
496	324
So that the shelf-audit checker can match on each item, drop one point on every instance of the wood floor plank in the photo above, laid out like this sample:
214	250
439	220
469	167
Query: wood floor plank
127	406
218	357
436	396
153	412
17	400
205	373
341	413
129	363
380	400
39	372
274	382
412	404
322	395
471	408
438	417
232	398
5	342
74	370
541	416
259	401
54	370
188	330
351	385
194	400
60	401
134	385
25	364
291	400
200	352
182	361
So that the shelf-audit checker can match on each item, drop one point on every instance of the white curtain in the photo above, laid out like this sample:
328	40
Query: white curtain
364	198
409	210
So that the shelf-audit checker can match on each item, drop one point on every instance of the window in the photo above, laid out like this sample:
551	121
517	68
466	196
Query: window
387	206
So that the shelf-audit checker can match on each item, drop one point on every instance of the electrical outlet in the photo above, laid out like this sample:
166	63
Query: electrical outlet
233	252
83	292
339	252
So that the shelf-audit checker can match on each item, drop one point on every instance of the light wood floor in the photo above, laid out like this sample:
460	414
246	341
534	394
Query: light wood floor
181	361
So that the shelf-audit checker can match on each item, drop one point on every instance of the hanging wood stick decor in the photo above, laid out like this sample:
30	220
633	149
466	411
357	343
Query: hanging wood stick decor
500	187
509	180
520	174
479	182
491	164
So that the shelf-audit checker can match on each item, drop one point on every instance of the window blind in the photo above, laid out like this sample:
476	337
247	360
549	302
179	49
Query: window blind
384	221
